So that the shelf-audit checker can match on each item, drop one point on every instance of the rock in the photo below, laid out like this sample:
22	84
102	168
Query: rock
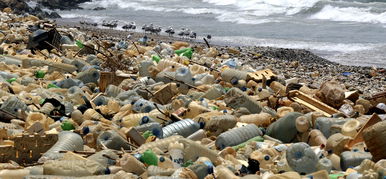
99	8
62	4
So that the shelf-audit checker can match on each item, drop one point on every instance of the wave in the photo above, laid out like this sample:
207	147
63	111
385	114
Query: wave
350	14
315	46
260	11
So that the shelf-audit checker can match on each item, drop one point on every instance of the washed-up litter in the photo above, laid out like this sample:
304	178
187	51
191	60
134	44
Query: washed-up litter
79	107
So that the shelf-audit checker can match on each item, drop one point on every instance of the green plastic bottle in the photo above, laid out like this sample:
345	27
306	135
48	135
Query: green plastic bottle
156	58
187	52
40	74
11	80
66	126
149	158
52	86
335	176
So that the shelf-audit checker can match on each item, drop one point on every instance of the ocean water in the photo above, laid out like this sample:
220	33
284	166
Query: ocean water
351	32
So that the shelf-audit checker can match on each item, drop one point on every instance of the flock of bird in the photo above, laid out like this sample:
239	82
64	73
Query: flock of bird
152	29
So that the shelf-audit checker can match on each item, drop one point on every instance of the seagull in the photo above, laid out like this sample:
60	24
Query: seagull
181	33
133	26
187	32
170	31
193	35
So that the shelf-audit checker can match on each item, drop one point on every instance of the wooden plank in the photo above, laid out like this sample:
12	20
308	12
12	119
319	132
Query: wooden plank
311	103
359	137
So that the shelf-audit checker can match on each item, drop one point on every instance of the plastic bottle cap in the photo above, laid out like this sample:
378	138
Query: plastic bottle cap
67	126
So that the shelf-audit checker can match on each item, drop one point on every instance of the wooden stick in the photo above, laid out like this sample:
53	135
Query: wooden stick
206	42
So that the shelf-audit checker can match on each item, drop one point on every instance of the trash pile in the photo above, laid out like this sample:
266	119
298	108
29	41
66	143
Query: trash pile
74	106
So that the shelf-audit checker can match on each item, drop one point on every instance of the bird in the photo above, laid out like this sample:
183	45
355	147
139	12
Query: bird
181	32
187	32
170	31
133	25
193	35
209	37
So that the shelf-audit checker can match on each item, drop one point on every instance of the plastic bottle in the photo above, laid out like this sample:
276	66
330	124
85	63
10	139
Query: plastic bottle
187	52
176	154
149	158
67	141
284	129
13	104
221	123
112	140
184	128
213	93
73	168
262	119
144	68
324	124
113	91
198	135
143	106
324	164
301	158
235	98
238	135
232	75
89	76
158	171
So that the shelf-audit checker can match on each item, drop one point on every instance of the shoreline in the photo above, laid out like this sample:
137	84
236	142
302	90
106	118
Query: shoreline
298	63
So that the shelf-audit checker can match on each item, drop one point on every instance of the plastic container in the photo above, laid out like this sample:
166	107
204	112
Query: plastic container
131	164
161	144
47	108
350	159
67	141
194	150
325	124
350	127
237	136
168	65
184	128
301	158
284	129
183	74
112	140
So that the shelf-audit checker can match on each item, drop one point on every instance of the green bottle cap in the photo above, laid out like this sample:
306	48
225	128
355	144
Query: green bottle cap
147	134
40	74
11	80
66	126
149	158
